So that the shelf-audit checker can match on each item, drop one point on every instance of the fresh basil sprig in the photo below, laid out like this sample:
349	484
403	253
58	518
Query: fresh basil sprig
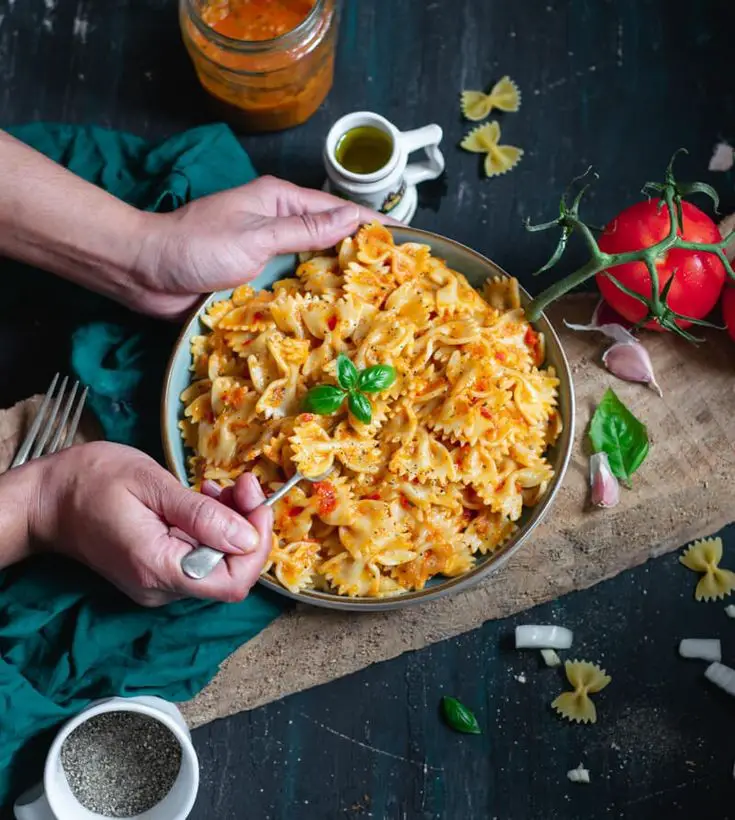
325	399
616	431
459	717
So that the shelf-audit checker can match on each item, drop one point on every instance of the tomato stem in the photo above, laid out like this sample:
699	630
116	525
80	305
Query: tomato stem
670	193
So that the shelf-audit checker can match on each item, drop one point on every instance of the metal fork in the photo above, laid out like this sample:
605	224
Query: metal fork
63	423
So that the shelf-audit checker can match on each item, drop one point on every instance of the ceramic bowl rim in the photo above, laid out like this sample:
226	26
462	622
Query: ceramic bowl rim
480	571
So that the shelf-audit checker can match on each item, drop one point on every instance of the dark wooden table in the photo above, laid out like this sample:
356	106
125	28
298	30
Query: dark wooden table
619	84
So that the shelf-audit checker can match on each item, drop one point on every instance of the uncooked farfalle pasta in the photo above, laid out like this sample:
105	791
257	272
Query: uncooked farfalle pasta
504	95
586	678
454	448
485	139
704	556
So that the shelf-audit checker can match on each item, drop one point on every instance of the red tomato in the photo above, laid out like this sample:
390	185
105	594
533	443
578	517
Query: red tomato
698	276
728	310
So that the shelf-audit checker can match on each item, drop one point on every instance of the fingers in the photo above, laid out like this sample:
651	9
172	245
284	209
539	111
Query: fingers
213	490
208	521
244	496
280	198
311	231
245	570
233	578
247	494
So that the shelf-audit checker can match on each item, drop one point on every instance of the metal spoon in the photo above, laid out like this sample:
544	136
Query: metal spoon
198	563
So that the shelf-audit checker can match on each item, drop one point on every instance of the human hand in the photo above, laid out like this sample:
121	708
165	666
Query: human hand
226	239
119	512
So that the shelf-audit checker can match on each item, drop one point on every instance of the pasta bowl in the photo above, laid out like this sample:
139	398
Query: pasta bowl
477	269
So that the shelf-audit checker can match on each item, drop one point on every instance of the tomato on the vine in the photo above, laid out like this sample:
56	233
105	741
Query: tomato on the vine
728	309
698	275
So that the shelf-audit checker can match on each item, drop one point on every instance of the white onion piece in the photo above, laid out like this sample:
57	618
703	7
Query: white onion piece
706	649
730	611
550	657
536	636
579	775
722	676
722	157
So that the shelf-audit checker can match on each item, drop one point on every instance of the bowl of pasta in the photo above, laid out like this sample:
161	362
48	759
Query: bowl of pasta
446	433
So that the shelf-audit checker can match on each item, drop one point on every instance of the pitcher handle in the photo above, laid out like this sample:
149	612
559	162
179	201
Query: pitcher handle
33	805
427	138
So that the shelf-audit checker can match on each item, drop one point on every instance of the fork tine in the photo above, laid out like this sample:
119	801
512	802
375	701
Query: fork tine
25	448
61	426
49	425
72	431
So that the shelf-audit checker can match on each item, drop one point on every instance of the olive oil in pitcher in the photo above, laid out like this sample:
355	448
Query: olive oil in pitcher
364	150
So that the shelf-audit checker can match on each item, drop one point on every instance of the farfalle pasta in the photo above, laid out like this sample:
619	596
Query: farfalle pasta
586	678
504	95
453	450
704	556
485	139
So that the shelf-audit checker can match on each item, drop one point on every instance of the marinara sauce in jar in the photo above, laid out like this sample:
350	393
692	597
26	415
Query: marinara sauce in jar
269	64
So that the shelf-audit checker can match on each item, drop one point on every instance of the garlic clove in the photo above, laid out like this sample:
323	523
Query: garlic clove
630	361
604	487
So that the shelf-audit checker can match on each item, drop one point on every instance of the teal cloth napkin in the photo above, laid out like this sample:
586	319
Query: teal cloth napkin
67	637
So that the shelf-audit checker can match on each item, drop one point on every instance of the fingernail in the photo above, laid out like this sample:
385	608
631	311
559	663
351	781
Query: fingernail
211	488
346	216
242	535
254	486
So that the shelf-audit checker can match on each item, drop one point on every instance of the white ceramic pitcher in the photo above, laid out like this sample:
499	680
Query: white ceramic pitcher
54	800
392	188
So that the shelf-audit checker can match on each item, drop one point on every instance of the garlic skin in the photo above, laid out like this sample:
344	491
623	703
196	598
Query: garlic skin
604	487
630	361
613	331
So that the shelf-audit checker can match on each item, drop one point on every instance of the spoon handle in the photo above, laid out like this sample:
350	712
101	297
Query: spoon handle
201	561
278	494
198	563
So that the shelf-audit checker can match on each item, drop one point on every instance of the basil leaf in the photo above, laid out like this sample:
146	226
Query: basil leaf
459	717
376	378
346	372
616	431
324	399
360	407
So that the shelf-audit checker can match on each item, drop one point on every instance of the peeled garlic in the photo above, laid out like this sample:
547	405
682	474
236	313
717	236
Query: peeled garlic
604	487
626	358
630	361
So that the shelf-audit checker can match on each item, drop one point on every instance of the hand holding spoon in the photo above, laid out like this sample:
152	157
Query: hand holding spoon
201	561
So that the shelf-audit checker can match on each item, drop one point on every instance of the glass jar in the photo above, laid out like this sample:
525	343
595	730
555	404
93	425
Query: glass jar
264	85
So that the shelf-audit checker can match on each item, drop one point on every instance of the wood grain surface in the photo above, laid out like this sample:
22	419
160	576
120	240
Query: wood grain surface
693	444
619	84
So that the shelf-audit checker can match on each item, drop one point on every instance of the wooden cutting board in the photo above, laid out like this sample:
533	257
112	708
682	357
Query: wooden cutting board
683	491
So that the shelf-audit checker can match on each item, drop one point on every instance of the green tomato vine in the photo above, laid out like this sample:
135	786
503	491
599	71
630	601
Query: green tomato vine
671	194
